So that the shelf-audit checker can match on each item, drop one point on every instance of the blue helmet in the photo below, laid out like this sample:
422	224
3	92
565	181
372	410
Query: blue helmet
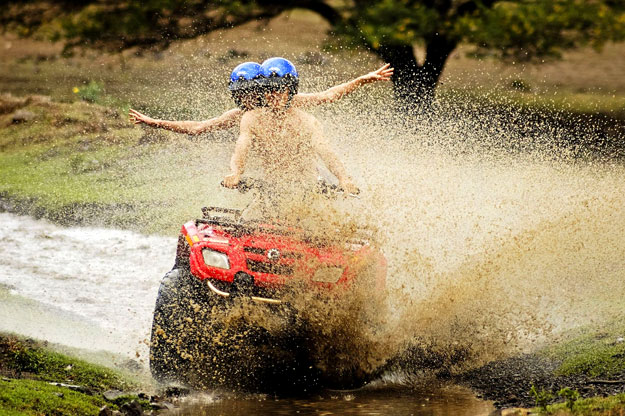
277	73
278	67
243	84
243	76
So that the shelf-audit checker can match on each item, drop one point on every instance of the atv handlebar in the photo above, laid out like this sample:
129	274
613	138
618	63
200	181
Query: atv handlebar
322	187
248	184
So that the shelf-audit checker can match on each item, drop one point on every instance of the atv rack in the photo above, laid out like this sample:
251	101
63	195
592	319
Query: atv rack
235	225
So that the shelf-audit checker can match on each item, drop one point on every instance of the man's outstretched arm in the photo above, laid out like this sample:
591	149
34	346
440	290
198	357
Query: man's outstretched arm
339	91
241	149
225	121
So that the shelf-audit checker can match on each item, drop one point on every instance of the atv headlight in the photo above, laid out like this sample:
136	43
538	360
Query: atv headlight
328	274
214	258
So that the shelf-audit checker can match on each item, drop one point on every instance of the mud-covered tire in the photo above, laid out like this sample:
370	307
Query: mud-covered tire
165	359
180	296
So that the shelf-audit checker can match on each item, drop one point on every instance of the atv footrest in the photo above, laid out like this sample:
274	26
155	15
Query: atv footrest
254	298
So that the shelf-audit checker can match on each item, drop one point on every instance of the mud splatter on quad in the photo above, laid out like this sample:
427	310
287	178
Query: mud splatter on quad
245	304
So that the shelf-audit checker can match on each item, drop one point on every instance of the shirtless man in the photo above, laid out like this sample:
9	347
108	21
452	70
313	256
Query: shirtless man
246	100
286	139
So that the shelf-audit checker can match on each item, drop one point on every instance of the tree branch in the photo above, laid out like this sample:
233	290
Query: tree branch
471	6
166	29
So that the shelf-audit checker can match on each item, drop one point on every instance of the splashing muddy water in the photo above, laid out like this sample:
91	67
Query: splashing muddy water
491	253
490	250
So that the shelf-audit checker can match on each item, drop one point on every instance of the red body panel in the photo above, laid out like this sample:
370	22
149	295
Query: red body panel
297	259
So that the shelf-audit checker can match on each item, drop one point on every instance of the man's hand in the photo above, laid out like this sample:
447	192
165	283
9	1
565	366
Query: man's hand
382	74
136	117
349	187
231	181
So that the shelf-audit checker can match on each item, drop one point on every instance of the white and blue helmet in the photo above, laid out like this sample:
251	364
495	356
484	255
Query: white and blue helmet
243	82
279	73
243	76
249	79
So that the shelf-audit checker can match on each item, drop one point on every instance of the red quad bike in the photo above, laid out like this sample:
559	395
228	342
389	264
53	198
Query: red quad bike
223	260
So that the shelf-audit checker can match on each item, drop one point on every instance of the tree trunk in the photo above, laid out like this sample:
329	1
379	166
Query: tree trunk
414	85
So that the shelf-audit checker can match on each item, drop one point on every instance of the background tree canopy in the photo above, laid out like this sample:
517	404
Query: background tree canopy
511	30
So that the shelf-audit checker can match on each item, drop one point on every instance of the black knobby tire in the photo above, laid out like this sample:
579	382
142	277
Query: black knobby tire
182	298
165	358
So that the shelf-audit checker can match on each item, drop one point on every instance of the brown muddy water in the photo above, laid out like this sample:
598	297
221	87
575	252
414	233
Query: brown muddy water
433	401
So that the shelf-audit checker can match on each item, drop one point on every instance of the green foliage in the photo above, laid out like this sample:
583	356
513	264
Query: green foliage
541	397
509	29
90	92
126	23
612	405
570	396
390	22
518	29
523	30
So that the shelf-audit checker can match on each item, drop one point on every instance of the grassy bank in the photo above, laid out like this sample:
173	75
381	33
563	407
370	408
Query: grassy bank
35	381
580	373
589	357
595	406
82	163
598	354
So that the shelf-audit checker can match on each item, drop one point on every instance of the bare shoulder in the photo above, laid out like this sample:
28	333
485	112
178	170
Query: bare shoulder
250	117
301	99
305	117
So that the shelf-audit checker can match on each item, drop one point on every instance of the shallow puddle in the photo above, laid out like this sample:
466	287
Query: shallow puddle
443	400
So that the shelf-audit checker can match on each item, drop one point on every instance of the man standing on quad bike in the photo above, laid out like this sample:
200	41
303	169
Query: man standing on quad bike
286	139
247	97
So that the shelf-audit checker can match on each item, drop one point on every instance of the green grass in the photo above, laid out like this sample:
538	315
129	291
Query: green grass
591	351
27	369
85	163
594	406
33	397
567	102
595	353
19	357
